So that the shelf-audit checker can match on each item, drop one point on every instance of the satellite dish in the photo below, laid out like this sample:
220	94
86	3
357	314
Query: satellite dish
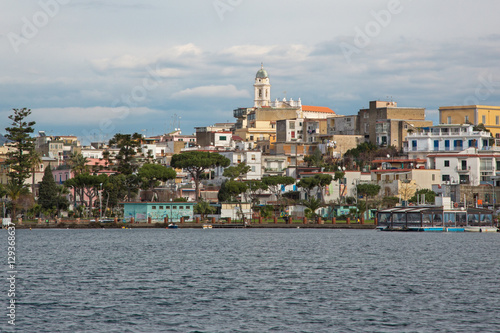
388	156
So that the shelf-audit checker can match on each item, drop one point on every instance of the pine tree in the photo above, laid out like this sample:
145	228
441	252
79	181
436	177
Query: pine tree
49	194
19	134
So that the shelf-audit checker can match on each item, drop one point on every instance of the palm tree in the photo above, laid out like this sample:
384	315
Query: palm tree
14	192
78	163
312	205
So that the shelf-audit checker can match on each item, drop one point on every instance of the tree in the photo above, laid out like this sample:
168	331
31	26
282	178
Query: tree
308	184
312	205
203	208
390	202
152	174
429	196
316	159
78	164
15	192
128	144
114	191
319	181
19	160
48	192
196	162
88	186
237	171
35	160
367	190
276	184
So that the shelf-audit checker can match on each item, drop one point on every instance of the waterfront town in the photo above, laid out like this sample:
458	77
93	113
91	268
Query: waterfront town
278	159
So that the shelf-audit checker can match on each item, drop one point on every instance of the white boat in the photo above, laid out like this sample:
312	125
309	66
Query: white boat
207	226
481	229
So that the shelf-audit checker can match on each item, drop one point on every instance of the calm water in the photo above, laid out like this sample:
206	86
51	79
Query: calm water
247	280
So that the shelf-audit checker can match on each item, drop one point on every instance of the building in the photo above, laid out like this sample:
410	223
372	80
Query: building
343	125
444	138
252	158
470	166
157	211
403	177
259	122
391	122
487	115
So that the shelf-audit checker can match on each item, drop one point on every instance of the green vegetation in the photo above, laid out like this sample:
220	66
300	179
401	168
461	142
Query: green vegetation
196	162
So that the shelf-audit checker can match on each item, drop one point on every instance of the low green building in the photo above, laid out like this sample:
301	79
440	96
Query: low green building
157	211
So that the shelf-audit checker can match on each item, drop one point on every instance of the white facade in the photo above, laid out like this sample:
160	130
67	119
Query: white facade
445	138
467	167
223	139
262	89
252	158
289	130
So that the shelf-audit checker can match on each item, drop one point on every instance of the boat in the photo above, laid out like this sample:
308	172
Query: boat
172	226
207	226
481	229
440	217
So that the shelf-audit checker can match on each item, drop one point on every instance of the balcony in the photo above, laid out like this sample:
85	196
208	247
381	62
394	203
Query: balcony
462	169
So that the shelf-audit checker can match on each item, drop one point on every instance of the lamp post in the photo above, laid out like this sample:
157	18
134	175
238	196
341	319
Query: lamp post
100	202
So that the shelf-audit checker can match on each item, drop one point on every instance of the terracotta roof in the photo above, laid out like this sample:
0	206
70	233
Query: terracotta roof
237	138
317	109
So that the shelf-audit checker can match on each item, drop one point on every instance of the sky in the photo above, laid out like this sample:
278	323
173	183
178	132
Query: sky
95	68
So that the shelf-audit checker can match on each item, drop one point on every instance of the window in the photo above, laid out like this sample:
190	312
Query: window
449	119
446	178
253	157
181	207
253	168
433	177
446	144
222	138
464	164
153	207
174	207
292	125
497	120
483	118
161	207
446	163
436	145
457	144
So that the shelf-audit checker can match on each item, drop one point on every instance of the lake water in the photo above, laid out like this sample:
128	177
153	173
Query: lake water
244	280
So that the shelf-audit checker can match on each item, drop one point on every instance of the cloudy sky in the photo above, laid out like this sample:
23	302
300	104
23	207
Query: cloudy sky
97	67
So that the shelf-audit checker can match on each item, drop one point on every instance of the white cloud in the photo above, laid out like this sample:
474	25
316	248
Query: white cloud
226	91
87	116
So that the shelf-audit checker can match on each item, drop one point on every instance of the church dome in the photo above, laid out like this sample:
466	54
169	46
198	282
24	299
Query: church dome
261	74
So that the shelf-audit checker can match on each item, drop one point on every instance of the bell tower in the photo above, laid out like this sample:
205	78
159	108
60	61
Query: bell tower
262	88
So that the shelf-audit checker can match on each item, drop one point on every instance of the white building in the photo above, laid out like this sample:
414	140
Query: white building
289	130
444	138
469	167
252	158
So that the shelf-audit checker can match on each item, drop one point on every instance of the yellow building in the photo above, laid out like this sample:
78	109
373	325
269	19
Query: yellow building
487	115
